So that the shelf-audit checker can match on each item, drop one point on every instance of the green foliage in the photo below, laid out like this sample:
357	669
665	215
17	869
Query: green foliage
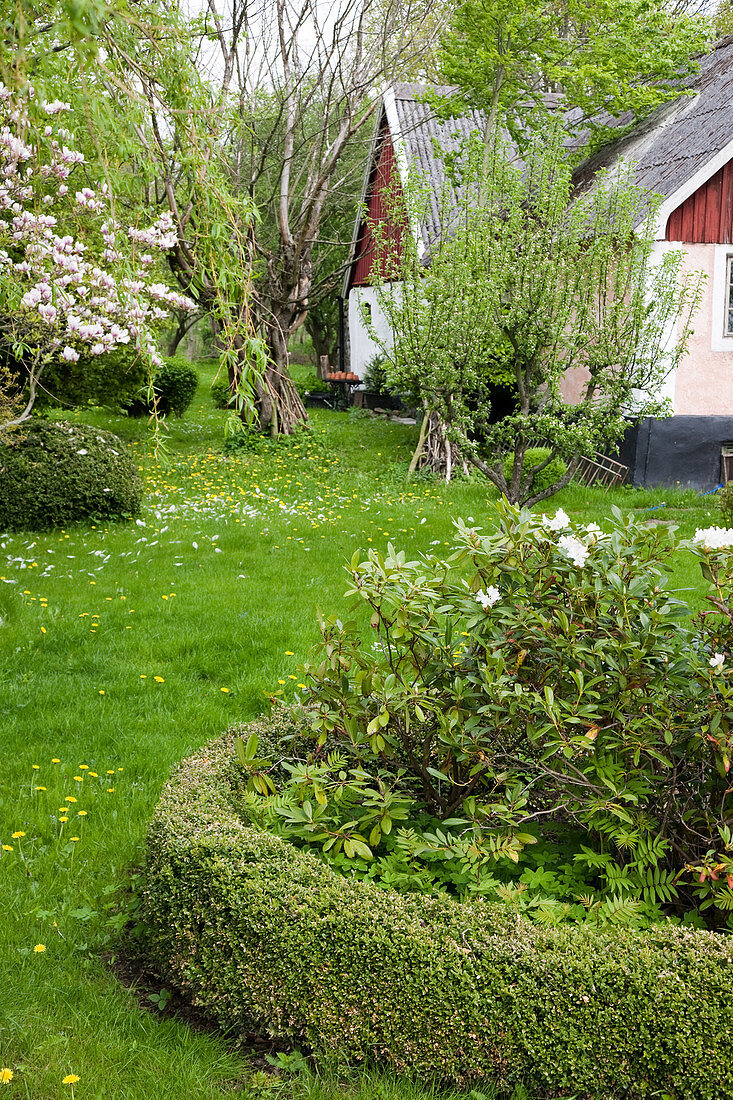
53	473
309	382
539	289
220	393
175	383
541	676
261	935
376	376
111	380
550	475
606	56
725	500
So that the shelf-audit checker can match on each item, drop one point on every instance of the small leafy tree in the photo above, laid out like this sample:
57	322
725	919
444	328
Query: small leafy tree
527	281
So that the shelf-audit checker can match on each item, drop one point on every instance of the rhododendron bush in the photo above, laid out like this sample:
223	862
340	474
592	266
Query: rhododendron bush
73	279
536	717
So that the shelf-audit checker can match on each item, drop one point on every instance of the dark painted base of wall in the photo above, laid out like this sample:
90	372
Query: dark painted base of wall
682	450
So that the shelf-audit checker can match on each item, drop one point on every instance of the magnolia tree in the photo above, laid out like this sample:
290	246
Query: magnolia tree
73	280
528	283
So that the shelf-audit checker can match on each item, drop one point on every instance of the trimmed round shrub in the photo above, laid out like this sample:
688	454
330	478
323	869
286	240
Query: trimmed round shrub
53	473
220	394
263	935
175	384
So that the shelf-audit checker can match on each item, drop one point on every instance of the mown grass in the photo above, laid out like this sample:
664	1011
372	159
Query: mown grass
126	646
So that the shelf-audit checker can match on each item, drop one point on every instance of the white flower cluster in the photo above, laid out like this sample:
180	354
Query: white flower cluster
558	522
488	598
714	538
574	549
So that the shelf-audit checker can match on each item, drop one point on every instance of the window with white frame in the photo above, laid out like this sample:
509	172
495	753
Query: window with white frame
728	329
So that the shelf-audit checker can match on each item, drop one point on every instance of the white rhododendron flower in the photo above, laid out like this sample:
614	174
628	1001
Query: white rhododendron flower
717	661
574	549
488	598
714	538
558	522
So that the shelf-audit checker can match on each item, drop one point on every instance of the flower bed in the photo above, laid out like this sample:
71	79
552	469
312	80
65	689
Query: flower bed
263	935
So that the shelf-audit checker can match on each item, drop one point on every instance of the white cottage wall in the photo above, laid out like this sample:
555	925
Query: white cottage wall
363	347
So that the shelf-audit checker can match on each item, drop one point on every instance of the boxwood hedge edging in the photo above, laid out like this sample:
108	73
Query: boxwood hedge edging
263	935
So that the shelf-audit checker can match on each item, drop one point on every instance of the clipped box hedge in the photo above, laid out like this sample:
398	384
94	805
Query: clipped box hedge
265	936
53	472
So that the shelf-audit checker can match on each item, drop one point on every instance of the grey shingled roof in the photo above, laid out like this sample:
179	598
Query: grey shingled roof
678	139
423	134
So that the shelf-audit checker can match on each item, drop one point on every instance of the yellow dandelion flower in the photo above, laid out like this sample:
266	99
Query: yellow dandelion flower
82	813
70	1079
43	630
70	798
73	838
8	848
40	788
6	1075
120	769
18	835
39	948
110	790
83	767
159	679
110	771
289	653
55	760
101	691
225	690
36	767
63	820
281	681
79	778
93	775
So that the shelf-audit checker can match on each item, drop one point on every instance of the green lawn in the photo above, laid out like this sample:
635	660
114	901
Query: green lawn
125	646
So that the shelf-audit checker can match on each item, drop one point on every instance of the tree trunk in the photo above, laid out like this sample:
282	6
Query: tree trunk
279	405
434	450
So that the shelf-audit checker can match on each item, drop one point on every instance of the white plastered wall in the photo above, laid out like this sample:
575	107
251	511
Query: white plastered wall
363	346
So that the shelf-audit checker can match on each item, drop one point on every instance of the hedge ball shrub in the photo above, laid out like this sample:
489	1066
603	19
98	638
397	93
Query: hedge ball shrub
175	384
263	935
220	393
53	473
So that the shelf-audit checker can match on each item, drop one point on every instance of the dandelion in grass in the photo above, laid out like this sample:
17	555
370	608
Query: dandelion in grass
6	1075
71	1079
8	848
39	948
70	798
55	760
40	788
17	835
159	679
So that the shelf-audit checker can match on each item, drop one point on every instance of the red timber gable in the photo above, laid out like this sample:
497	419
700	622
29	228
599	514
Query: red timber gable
707	216
383	194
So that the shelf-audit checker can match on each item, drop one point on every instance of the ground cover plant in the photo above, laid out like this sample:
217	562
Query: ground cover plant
130	644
